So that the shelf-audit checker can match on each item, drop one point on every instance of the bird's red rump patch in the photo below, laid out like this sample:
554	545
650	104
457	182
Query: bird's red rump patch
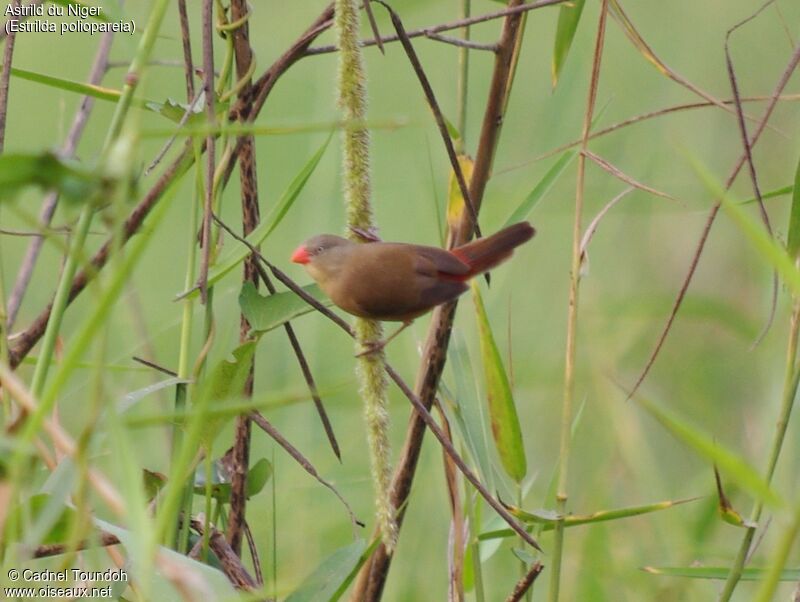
453	277
301	255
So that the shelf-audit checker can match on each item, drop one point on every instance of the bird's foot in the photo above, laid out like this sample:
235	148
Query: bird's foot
372	347
366	234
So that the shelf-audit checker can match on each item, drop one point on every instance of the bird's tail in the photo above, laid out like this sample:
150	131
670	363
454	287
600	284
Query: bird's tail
485	253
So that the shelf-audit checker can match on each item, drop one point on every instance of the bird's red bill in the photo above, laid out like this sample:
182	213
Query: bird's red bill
301	255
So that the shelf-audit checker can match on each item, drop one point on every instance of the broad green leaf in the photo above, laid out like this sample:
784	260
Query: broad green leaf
257	477
265	228
174	110
793	244
154	482
226	379
704	445
718	572
467	408
569	16
327	579
767	248
502	411
74	181
521	213
266	312
547	519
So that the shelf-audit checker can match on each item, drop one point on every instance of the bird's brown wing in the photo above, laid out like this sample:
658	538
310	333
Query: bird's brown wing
439	276
440	261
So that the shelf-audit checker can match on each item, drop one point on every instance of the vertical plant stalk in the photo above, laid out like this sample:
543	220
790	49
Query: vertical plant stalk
463	80
572	315
5	77
250	218
790	384
370	368
208	90
372	576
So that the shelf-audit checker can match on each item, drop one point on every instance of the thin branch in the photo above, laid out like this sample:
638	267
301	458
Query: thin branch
186	41
524	584
251	216
621	175
25	16
592	227
5	76
437	114
638	119
570	353
461	43
433	29
750	164
55	549
373	24
230	562
267	427
293	341
208	91
712	215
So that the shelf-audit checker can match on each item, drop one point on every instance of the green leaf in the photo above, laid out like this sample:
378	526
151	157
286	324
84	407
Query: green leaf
99	92
326	582
730	463
547	519
546	183
224	381
266	312
502	411
467	408
767	248
726	510
153	483
257	478
718	572
265	228
174	110
771	194
569	16
550	517
73	181
793	244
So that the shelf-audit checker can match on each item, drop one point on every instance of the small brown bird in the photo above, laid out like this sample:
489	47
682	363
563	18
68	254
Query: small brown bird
397	281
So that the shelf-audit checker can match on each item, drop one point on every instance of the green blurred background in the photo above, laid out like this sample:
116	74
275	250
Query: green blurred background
707	371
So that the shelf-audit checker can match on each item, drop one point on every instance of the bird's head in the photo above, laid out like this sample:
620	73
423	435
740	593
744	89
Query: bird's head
318	246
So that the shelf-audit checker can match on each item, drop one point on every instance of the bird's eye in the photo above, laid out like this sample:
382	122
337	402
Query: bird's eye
318	250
